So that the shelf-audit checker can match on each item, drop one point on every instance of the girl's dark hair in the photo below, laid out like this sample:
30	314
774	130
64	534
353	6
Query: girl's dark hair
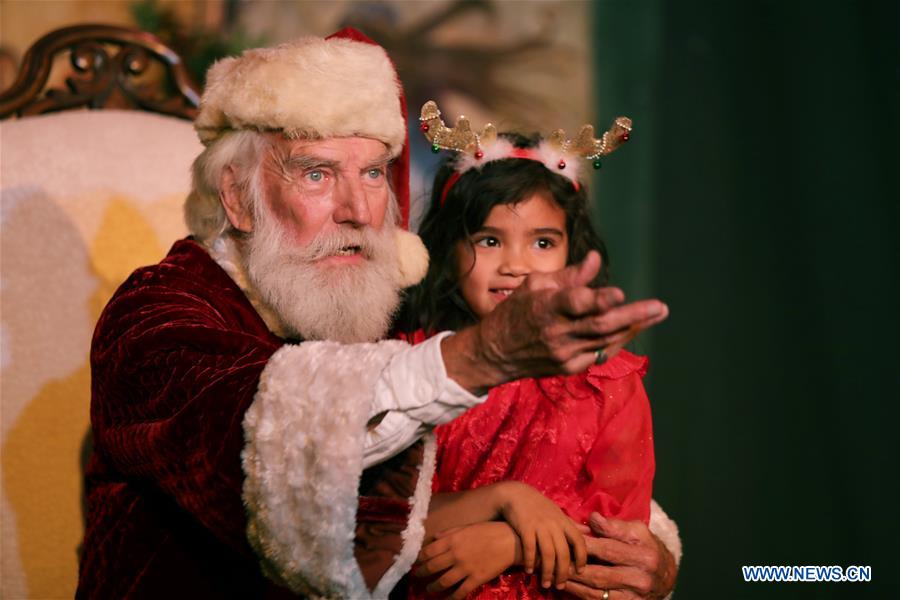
436	304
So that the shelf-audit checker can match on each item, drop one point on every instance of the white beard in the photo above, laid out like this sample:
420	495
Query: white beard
345	303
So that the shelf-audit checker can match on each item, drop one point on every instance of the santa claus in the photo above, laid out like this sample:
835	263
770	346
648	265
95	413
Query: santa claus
252	436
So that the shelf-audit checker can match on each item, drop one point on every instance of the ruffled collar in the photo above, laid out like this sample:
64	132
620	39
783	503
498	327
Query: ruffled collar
624	363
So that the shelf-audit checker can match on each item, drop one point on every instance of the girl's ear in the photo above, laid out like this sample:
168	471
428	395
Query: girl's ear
232	197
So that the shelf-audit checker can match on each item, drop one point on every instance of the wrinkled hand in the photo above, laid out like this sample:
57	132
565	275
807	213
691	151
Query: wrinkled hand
553	323
640	566
468	557
542	528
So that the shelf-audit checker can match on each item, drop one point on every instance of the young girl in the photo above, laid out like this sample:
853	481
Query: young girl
583	441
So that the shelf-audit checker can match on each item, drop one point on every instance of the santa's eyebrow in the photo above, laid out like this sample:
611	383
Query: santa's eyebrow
309	161
379	161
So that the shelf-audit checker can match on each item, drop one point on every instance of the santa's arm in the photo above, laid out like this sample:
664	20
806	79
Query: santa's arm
412	395
305	446
170	387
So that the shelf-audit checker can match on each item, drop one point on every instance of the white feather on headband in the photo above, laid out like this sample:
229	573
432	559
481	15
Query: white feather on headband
499	149
559	154
502	148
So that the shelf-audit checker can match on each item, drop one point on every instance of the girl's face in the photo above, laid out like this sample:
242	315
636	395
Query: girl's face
515	240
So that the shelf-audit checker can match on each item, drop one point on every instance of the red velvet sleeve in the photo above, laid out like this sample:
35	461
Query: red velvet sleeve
172	376
621	464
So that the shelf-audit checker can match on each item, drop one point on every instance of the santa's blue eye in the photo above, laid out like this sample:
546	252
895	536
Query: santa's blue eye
316	176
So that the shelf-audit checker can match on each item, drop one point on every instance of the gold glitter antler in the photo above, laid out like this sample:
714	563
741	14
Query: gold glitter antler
588	146
460	138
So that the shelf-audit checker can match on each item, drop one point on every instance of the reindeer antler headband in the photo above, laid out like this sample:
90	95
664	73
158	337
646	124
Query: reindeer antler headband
556	152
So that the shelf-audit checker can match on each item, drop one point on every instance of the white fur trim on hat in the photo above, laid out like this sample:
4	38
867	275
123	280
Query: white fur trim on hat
311	87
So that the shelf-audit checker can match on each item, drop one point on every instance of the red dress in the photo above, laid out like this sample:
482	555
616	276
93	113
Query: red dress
585	441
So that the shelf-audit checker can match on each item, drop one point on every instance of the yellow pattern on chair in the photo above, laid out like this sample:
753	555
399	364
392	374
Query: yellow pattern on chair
86	198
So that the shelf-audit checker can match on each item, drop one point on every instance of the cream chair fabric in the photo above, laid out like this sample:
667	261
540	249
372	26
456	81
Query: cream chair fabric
87	196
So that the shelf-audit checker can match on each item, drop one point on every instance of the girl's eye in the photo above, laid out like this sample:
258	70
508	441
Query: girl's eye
488	242
544	243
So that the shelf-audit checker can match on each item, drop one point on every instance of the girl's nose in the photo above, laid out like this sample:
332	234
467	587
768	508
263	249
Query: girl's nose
514	264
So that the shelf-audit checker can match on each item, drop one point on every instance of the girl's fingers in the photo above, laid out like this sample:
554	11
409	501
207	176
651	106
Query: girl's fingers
446	581
433	549
528	551
579	547
548	557
435	565
463	590
562	557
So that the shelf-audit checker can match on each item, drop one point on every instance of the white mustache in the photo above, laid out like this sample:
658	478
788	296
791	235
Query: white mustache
332	243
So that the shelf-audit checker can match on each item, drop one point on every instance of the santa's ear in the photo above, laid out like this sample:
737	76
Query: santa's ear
234	201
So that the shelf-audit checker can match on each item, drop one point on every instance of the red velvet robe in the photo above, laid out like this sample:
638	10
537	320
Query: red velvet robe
585	441
175	361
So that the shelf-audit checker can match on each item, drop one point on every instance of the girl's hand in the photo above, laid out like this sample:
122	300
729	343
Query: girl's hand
542	526
468	556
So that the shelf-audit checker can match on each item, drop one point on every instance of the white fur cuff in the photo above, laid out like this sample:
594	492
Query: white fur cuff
666	530
303	460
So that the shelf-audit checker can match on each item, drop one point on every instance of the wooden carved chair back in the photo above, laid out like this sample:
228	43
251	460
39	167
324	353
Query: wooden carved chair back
111	69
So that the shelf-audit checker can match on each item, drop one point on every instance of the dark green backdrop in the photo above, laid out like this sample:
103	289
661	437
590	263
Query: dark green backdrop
759	198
